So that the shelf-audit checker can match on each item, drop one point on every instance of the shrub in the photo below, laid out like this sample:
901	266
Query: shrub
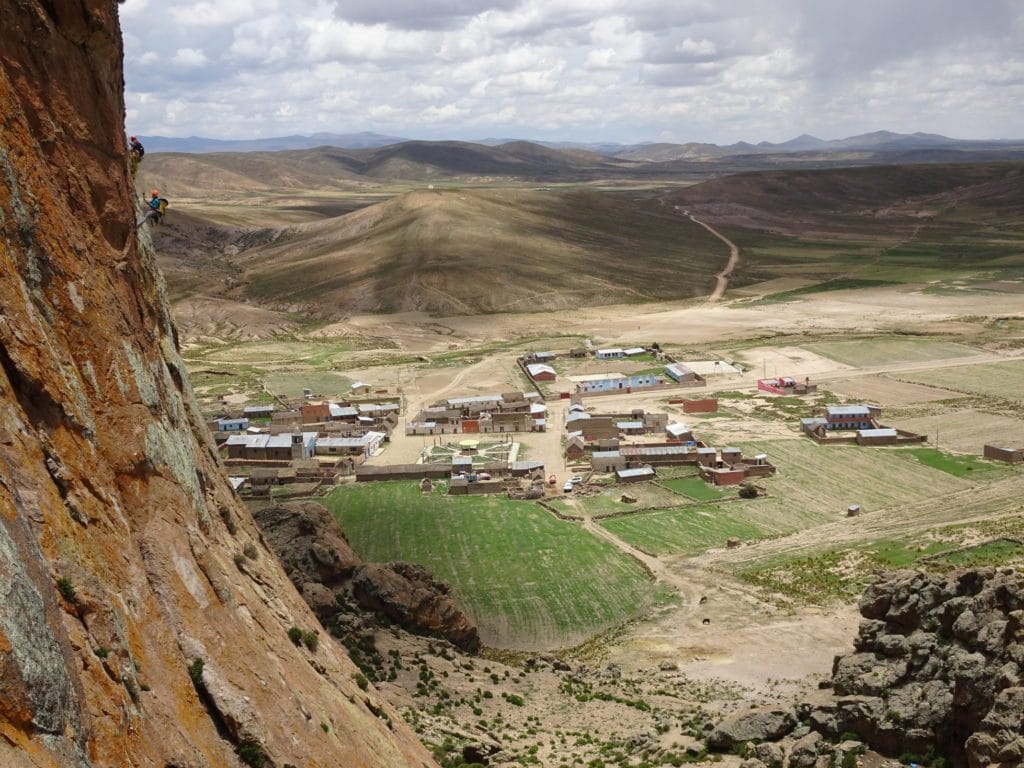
295	635
849	760
239	559
326	727
748	491
67	590
361	681
250	551
311	640
195	671
102	652
251	753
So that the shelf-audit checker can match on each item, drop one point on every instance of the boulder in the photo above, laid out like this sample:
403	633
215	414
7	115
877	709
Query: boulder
770	753
753	725
804	753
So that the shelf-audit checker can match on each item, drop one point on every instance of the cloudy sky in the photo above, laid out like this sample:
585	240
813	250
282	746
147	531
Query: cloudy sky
580	70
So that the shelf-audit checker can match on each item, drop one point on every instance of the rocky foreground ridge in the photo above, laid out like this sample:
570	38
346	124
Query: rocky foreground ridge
937	675
143	622
336	583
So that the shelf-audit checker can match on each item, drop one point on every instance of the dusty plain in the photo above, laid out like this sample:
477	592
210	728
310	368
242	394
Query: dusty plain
698	627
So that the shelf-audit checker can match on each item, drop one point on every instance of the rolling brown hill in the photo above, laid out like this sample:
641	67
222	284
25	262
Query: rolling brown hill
330	168
468	252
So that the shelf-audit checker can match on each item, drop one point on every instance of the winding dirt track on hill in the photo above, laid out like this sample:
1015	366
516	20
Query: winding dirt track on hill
722	277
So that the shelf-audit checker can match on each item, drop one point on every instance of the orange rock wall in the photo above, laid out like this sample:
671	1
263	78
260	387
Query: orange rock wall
109	480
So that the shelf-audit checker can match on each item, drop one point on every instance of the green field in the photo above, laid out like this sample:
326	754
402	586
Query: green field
1000	380
529	580
697	489
958	466
885	350
687	530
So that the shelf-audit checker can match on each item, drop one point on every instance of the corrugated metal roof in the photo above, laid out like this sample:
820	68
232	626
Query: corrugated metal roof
629	425
883	432
607	454
536	369
634	351
848	410
677	428
654	450
638	472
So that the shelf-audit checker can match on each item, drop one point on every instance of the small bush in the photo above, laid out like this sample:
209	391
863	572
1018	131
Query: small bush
250	551
195	671
311	640
251	753
239	559
849	760
295	635
514	699
326	727
102	652
748	491
67	590
361	681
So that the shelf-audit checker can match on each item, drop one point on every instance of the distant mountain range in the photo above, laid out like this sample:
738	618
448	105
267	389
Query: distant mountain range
878	141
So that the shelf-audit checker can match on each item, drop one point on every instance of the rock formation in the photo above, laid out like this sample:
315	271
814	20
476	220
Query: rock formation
937	669
128	634
318	559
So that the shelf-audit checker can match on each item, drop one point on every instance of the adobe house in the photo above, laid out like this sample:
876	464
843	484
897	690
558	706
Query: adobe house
229	424
315	413
706	405
607	461
575	449
1009	455
541	372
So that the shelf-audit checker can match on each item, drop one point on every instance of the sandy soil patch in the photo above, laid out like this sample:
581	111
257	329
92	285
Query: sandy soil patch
787	361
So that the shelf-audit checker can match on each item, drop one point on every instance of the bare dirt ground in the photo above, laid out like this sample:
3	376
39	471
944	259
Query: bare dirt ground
887	391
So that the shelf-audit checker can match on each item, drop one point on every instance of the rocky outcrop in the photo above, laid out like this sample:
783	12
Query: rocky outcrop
937	669
410	596
318	559
128	635
754	725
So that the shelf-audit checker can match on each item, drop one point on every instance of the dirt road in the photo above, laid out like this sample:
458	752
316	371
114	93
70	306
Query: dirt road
722	277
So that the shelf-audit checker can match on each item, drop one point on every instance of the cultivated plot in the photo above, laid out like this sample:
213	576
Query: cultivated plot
885	350
999	380
687	530
967	431
609	500
887	391
529	580
816	483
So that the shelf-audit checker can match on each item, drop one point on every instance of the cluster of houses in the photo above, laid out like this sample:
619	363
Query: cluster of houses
310	442
854	424
601	439
539	368
481	414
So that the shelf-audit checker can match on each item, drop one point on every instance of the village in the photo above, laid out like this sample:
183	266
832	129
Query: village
594	416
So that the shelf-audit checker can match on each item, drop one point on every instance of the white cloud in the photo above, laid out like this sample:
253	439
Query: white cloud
189	57
624	70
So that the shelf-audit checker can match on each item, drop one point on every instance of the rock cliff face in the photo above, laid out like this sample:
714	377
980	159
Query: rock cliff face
318	559
938	669
133	631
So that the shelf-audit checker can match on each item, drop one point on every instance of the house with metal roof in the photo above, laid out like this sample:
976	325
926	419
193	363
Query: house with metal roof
680	373
607	461
849	417
633	351
635	475
541	372
258	411
613	353
230	424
